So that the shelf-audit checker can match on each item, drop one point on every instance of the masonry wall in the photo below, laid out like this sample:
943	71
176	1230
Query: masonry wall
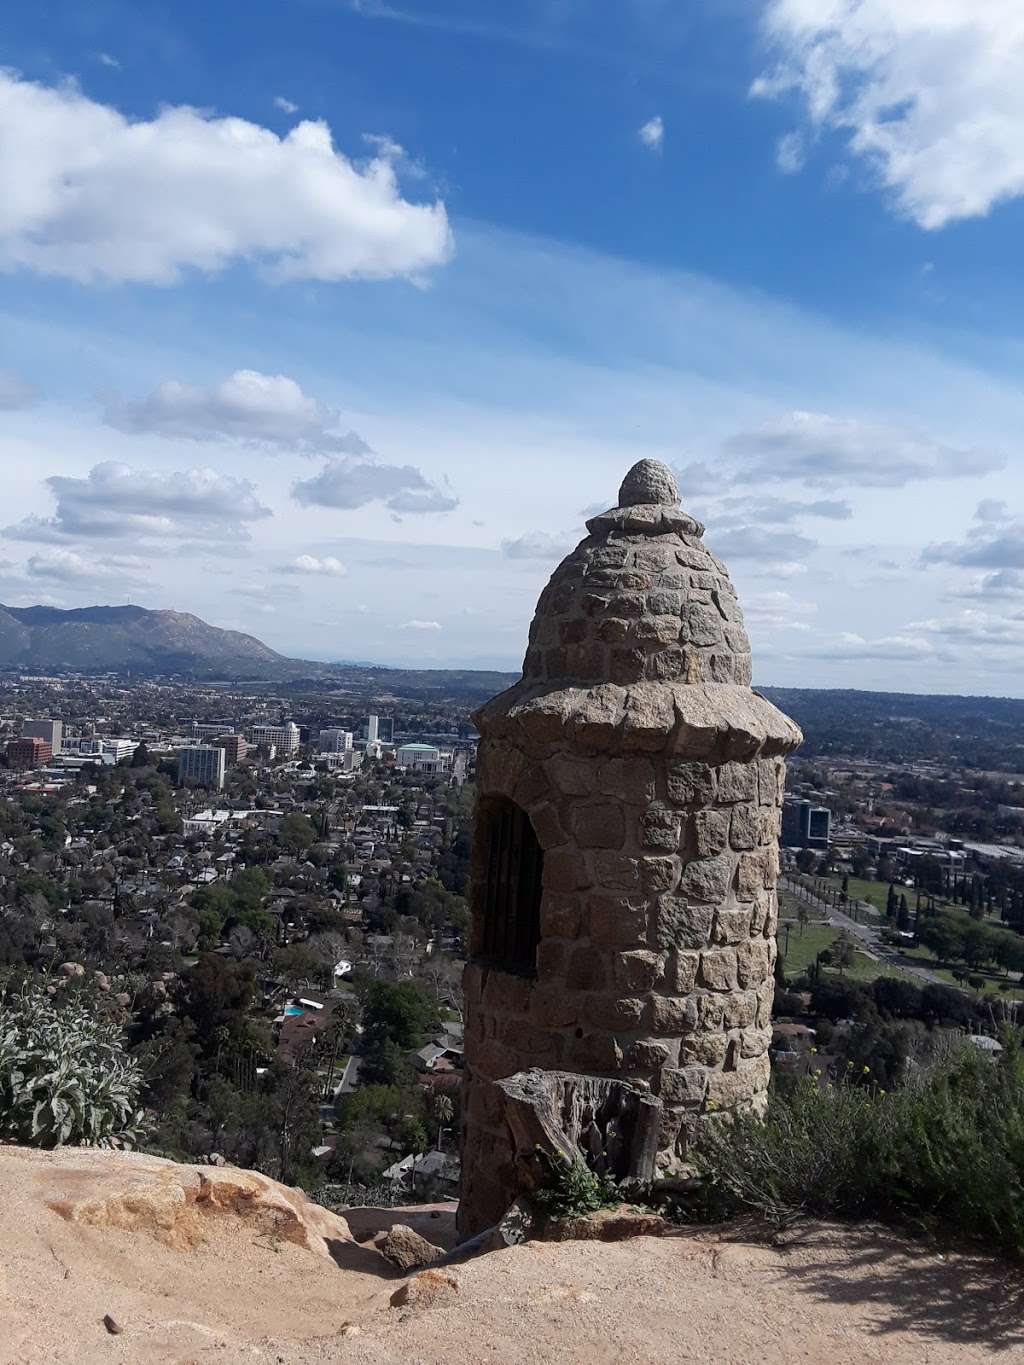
657	937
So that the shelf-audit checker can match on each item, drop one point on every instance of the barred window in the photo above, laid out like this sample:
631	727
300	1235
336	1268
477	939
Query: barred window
509	902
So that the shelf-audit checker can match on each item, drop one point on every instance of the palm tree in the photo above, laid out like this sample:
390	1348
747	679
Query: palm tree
444	1112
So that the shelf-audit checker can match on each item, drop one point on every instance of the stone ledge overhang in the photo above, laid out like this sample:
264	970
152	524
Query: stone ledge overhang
718	722
645	519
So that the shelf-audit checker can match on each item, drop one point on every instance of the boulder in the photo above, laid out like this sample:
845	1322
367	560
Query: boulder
425	1290
407	1249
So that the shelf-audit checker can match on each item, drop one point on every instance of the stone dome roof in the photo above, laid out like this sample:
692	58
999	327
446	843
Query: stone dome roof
641	599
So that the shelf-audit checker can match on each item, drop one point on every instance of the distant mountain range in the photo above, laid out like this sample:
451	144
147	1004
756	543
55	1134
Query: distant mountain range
132	639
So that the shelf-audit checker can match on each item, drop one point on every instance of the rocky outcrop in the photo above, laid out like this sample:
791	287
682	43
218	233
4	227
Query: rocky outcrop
113	1259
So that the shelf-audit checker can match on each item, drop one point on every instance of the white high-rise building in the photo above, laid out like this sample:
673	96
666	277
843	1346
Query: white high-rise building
285	738
372	725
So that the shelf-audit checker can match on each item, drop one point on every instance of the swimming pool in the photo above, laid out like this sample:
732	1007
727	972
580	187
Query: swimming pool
294	1009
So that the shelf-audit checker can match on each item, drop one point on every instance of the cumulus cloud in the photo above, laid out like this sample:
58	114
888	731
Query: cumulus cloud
72	566
115	501
785	511
262	410
988	545
652	134
820	451
778	610
420	625
976	627
930	94
91	195
327	566
1001	583
992	509
16	392
852	646
349	482
538	545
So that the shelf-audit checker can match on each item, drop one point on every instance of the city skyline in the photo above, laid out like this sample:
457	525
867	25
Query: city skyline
367	427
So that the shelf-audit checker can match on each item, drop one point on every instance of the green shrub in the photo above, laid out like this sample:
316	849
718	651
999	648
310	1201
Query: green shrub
947	1149
65	1076
572	1188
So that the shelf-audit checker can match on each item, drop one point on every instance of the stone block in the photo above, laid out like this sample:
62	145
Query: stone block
718	969
682	924
707	879
765	999
660	828
506	994
745	827
680	972
587	970
685	1085
728	1089
547	826
690	784
616	920
593	1052
754	1042
648	1055
627	665
703	1049
586	660
614	1012
532	788
628	779
565	870
662	603
737	782
613	872
732	926
658	875
534	1045
612	630
671	1014
739	1009
573	631
711	832
701	625
570	776
753	876
559	916
552	955
494	1061
710	1012
637	970
753	962
552	1006
600	824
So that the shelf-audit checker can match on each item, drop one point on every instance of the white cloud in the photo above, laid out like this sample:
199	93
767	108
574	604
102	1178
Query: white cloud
853	646
761	543
652	134
976	627
326	566
538	545
263	410
347	483
930	93
116	501
90	195
420	625
992	509
790	153
988	545
105	59
815	449
16	392
286	106
71	566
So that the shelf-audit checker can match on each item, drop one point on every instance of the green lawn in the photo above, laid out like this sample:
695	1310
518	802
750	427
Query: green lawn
924	957
804	948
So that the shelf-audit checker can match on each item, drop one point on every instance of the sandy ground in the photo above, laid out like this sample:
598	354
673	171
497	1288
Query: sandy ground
237	1290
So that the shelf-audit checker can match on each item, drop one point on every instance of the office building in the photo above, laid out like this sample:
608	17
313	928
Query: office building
284	738
28	752
50	730
202	766
386	729
422	758
235	749
210	729
334	741
805	825
97	749
372	726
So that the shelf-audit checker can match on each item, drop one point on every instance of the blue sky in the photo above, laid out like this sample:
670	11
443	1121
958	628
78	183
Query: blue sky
332	319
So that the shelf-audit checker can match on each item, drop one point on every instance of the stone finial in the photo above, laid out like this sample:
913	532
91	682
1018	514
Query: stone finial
649	481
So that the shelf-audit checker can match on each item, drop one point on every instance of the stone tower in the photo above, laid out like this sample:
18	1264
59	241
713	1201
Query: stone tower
626	843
